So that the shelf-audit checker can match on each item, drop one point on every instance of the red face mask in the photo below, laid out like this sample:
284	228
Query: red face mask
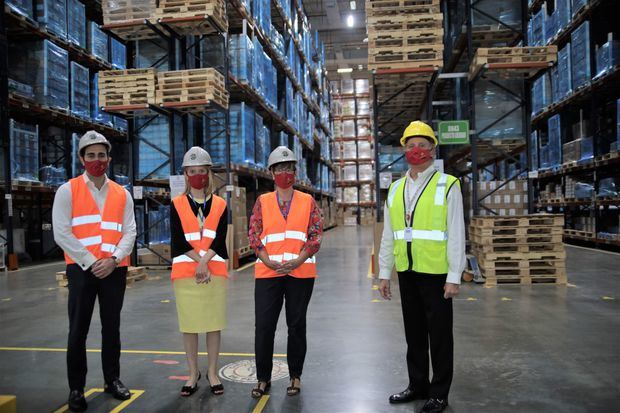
285	180
198	181
418	156
96	168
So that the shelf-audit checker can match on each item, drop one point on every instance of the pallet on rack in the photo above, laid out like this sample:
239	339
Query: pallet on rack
519	221
390	7
127	87
195	87
379	24
512	55
402	38
181	14
411	56
116	11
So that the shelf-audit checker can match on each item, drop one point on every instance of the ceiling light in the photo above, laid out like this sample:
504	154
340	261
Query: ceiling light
345	70
353	5
350	20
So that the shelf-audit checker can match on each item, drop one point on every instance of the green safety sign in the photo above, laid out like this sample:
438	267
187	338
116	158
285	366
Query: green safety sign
454	132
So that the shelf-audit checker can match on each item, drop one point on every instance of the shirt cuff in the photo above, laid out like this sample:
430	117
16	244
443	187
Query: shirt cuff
385	273
453	277
119	254
87	262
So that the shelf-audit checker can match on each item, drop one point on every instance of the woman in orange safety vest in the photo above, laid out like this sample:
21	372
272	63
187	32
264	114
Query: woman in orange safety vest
285	232
198	226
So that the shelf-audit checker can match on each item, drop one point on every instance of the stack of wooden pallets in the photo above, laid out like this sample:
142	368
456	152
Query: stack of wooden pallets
173	11
404	34
191	88
118	11
133	274
522	249
513	55
127	87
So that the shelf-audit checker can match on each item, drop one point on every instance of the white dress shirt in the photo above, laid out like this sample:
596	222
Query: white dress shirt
63	234
456	228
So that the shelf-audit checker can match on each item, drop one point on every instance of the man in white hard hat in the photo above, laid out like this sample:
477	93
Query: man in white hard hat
94	224
286	228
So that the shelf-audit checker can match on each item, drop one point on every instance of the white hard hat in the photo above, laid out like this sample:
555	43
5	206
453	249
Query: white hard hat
196	156
93	138
279	155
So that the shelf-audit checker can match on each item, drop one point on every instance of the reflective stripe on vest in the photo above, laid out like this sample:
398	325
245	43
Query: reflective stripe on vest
184	266
428	247
99	232
284	239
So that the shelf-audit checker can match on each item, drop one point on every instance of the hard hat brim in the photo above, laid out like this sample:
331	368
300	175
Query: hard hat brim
432	140
106	144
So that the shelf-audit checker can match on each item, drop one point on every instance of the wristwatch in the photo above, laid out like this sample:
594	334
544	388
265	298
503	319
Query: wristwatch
116	260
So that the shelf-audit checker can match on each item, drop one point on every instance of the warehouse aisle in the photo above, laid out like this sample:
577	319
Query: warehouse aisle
531	349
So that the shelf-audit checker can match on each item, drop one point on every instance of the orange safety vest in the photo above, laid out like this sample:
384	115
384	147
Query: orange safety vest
284	239
98	232
184	266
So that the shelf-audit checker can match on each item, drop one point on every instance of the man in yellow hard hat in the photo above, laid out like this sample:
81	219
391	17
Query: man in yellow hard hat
424	238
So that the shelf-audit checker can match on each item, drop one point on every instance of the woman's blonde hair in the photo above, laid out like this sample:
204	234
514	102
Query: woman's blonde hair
210	186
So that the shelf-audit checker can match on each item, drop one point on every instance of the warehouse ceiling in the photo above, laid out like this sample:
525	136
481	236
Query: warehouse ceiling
344	46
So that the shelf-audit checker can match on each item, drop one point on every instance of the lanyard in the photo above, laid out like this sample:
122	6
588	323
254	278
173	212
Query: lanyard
416	197
288	207
204	208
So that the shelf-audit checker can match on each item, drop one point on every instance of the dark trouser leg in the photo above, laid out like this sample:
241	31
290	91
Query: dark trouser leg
111	294
416	331
82	295
268	298
439	320
297	294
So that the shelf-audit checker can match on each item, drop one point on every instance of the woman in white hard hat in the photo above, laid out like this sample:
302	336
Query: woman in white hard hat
286	229
198	226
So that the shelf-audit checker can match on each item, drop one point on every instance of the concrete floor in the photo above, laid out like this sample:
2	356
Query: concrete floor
543	348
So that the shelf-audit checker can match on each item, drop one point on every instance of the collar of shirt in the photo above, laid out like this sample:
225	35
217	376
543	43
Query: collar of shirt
92	184
422	176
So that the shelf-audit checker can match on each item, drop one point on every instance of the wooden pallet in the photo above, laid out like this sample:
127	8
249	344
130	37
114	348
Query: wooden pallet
420	54
518	272
127	87
515	231
610	155
519	221
136	274
559	279
516	264
520	248
178	14
512	55
515	239
578	233
115	11
400	38
380	24
522	256
196	85
390	7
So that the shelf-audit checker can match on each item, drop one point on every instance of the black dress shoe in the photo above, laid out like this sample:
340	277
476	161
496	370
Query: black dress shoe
118	390
435	406
77	402
407	395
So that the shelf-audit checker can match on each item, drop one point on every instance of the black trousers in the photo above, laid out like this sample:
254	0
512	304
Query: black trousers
84	288
428	320
269	293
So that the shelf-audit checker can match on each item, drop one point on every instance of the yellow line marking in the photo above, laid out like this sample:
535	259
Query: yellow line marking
261	404
370	263
607	298
165	301
65	408
375	301
246	266
506	299
571	285
472	299
134	395
51	288
6	299
375	287
156	352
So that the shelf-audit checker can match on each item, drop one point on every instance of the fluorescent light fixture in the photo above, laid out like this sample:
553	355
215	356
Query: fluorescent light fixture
353	5
345	70
350	20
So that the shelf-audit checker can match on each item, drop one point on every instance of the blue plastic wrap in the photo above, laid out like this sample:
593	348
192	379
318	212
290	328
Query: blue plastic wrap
538	28
534	151
76	166
120	123
564	71
544	157
23	7
95	109
259	135
580	55
563	8
52	14
608	189
153	164
607	56
283	139
76	23
587	148
257	64
97	41
44	66
242	136
583	190
577	5
214	137
52	176
241	52
508	11
278	41
261	11
397	161
119	54
554	143
555	84
24	151
80	96
270	82
491	103
551	26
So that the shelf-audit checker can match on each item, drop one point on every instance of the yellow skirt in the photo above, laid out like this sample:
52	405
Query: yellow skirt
201	307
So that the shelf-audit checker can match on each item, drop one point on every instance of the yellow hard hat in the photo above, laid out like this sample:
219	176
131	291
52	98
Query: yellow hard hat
418	128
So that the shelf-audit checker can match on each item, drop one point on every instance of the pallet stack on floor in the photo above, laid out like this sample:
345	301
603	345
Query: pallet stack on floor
404	34
524	249
133	274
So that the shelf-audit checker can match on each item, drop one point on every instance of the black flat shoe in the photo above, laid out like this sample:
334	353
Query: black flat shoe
293	390
258	392
77	401
187	391
117	389
217	389
435	406
407	395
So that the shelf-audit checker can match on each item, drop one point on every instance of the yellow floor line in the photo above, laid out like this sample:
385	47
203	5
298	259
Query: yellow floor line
246	266
261	404
65	408
134	395
155	352
370	263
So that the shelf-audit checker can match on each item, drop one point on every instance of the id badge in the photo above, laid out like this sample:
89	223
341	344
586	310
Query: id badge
408	234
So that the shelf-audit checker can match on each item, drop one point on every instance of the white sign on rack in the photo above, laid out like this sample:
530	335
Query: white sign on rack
138	192
385	180
177	185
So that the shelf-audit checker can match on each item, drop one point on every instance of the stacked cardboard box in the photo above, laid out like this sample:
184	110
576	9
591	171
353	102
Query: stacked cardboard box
511	199
522	249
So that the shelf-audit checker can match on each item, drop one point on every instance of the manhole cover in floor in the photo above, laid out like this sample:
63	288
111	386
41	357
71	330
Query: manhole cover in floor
244	371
